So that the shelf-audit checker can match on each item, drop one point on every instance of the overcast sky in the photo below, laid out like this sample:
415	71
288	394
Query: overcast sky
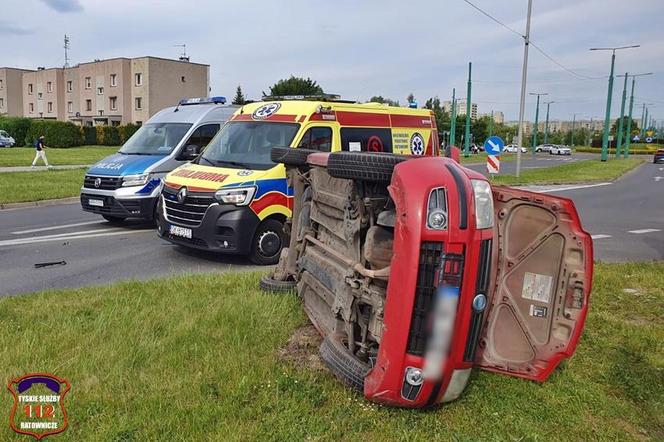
363	48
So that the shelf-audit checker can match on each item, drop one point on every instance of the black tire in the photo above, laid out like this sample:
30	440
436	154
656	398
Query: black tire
290	156
268	284
114	219
268	241
342	363
363	165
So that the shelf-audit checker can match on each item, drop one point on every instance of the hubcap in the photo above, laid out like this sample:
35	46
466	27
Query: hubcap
269	243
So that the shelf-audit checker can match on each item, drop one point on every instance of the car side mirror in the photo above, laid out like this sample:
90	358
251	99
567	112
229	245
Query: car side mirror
190	152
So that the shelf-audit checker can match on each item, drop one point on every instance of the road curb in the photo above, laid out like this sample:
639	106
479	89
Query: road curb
53	202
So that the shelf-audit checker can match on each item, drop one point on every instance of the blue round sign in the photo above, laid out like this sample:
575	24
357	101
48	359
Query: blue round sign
494	145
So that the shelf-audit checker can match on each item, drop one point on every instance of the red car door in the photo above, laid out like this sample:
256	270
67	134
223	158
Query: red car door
542	277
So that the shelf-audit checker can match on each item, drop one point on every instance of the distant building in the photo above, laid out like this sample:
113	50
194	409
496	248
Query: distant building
11	98
114	91
498	116
461	108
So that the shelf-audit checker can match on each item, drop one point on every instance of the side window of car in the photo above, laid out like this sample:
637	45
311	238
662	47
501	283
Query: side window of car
203	135
317	138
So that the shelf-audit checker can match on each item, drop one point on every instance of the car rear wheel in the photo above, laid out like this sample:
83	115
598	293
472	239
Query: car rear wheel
114	219
290	156
268	242
350	370
363	166
268	284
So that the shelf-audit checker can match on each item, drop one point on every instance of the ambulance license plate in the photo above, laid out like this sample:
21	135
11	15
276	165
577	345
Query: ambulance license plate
98	203
180	231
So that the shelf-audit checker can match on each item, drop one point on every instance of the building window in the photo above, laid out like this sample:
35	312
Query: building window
138	79
70	86
30	88
49	86
1	84
182	79
100	91
88	105
70	107
88	82
114	80
138	103
113	103
50	107
31	107
2	103
39	96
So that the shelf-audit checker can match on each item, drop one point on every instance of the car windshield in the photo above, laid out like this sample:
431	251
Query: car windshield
155	139
247	144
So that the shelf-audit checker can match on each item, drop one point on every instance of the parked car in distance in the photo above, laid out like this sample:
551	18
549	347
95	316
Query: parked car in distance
544	148
558	149
6	140
513	148
659	156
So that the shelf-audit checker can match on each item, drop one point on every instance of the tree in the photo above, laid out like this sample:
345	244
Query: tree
614	128
380	99
239	96
296	86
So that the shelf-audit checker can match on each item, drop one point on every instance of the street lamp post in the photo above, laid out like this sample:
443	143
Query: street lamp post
643	122
522	98
546	125
607	117
453	122
466	146
573	122
536	120
628	130
619	131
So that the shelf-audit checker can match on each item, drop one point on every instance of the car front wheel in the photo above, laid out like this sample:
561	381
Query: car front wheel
268	242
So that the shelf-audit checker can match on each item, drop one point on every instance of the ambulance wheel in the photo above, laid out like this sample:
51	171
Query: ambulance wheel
114	219
268	242
290	156
346	367
363	165
268	284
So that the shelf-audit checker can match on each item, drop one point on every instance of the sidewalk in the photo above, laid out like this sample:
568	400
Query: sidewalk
42	168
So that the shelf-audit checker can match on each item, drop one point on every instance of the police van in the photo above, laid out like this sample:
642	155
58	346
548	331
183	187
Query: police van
234	199
127	184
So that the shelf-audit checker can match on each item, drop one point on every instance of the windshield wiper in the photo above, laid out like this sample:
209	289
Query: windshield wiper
208	161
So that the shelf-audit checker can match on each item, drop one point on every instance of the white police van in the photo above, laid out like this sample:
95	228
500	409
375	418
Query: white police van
127	184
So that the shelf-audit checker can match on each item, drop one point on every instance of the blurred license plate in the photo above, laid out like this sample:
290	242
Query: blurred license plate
180	231
98	203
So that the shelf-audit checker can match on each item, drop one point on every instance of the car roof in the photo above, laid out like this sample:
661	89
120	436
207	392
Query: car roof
193	113
309	107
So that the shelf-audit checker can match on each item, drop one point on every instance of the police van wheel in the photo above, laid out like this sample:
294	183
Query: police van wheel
268	242
363	165
290	156
350	370
114	219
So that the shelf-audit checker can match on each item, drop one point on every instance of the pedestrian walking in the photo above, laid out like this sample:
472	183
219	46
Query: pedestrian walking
39	152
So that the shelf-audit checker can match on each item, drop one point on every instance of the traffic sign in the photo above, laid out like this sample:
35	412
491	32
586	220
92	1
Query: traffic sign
493	163
494	145
649	140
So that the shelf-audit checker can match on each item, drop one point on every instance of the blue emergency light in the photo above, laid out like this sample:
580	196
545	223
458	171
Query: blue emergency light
202	100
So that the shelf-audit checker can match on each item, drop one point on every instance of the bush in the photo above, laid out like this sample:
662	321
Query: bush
638	150
108	135
127	131
89	135
16	127
57	133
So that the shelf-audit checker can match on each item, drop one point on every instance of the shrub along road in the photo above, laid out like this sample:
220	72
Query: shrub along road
209	358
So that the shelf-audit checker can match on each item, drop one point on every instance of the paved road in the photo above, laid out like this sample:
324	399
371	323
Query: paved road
626	218
539	161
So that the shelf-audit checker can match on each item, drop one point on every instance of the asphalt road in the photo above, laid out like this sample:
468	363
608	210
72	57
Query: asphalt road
626	219
529	162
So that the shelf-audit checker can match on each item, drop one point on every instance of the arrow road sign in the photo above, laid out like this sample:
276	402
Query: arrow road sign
493	164
494	145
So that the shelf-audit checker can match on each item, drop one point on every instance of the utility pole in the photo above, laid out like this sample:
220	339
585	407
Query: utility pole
607	117
491	125
546	125
453	122
619	129
643	121
535	128
628	130
466	141
573	121
522	100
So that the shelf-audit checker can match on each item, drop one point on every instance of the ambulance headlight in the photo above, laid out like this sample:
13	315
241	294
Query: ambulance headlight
483	204
135	180
239	196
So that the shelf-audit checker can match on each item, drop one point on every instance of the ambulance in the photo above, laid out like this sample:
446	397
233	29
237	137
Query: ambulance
233	199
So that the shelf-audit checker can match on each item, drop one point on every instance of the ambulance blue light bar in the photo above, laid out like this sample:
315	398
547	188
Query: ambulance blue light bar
202	100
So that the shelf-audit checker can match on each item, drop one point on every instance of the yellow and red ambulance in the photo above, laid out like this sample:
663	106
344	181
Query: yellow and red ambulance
233	199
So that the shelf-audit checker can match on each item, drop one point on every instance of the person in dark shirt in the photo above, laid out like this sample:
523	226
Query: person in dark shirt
40	152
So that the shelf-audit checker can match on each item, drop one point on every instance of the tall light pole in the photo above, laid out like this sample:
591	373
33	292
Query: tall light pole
453	122
643	122
546	125
522	100
536	120
628	130
607	117
619	129
573	122
466	144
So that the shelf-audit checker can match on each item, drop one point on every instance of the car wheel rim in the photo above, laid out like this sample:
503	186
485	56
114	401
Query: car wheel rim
269	244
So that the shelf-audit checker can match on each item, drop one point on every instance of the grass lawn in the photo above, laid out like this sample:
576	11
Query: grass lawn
578	172
43	185
23	156
202	358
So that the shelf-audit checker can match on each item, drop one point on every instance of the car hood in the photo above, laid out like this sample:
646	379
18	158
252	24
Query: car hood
209	179
120	165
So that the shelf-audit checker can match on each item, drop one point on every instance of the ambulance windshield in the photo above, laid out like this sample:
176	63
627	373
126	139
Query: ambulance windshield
247	144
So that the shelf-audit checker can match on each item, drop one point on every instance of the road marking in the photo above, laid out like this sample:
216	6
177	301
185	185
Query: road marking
644	231
657	178
64	226
549	189
600	236
79	232
24	241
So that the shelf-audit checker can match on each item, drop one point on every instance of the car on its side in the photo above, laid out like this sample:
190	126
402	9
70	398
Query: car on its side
558	149
544	148
659	156
513	148
6	140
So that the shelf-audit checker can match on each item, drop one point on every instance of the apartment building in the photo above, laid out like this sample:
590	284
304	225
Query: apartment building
11	98
114	91
461	108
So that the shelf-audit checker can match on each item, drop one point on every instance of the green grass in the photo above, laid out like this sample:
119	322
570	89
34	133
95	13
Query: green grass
43	185
23	156
577	172
197	358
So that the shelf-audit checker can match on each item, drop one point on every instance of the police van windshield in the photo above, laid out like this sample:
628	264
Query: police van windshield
247	144
155	139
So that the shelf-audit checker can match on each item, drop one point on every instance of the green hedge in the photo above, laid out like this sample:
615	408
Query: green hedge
89	135
108	136
56	133
127	131
632	150
16	127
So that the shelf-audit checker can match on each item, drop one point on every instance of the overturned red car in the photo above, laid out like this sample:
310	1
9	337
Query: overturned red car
416	270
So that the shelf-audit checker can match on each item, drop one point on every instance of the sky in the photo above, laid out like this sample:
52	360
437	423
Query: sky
362	48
